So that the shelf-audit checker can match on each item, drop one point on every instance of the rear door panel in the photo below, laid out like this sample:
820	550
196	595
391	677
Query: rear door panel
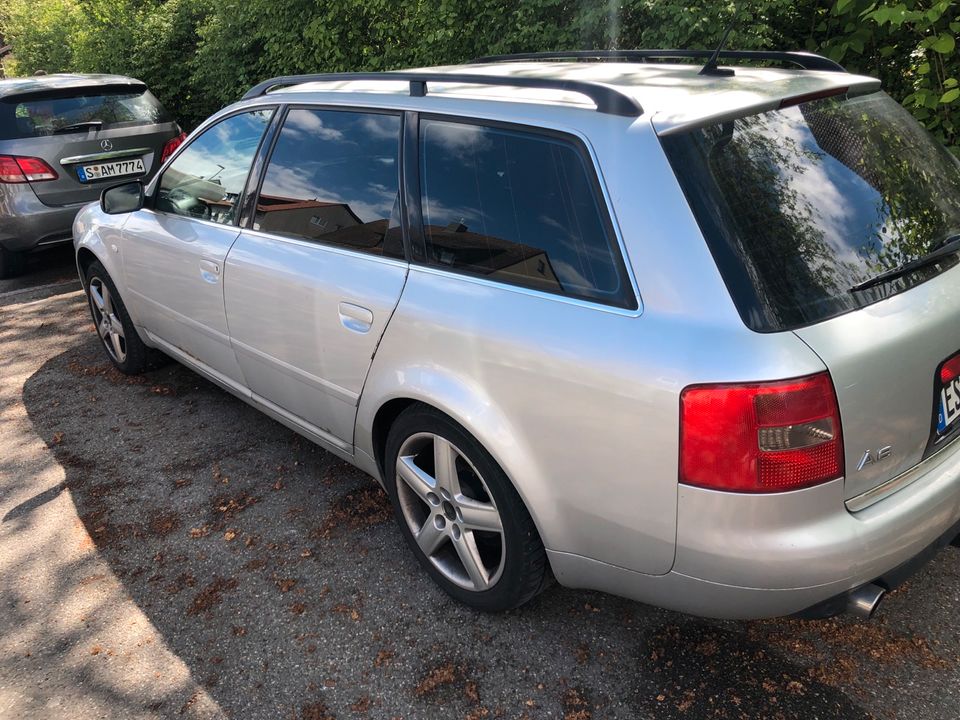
305	320
883	360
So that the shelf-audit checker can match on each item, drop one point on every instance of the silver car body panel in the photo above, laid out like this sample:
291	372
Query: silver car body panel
578	402
883	359
305	320
173	267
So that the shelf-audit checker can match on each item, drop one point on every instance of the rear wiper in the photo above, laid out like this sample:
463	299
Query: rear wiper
945	247
89	125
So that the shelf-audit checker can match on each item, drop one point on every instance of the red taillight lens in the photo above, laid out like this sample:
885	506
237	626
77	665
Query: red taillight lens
24	169
810	97
35	169
950	369
171	146
761	437
10	171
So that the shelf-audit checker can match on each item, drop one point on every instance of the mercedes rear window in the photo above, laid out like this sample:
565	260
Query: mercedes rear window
801	204
74	111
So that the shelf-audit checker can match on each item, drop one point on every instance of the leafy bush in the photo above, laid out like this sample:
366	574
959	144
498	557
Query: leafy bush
198	55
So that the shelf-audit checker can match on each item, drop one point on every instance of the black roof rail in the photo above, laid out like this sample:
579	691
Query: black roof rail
607	99
805	60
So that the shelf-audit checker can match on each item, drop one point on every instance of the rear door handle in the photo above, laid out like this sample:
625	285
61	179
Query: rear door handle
355	318
210	271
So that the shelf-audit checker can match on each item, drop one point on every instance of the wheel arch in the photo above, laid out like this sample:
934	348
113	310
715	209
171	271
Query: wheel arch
85	258
469	408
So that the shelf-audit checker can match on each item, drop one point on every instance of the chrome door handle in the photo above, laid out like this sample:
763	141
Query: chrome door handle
210	270
355	318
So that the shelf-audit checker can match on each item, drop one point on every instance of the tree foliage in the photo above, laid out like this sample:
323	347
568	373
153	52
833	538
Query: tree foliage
198	55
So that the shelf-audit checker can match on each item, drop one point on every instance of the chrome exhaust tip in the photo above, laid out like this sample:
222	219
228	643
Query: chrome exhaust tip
864	600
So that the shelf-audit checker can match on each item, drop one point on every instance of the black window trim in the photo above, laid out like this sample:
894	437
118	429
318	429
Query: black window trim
633	303
150	200
277	126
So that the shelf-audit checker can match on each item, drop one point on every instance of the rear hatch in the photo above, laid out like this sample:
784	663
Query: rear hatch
839	219
90	136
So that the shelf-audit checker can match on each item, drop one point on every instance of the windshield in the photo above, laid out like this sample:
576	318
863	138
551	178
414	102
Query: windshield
45	115
799	205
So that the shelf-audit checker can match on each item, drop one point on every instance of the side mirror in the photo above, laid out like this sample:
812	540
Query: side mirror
121	199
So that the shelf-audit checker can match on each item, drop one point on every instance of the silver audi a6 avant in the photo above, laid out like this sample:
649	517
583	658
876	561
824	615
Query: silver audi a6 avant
690	336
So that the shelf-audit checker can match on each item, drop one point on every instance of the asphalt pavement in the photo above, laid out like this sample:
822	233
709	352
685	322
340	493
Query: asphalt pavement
48	272
168	552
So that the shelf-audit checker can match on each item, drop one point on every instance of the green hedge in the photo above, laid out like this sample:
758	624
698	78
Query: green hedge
199	55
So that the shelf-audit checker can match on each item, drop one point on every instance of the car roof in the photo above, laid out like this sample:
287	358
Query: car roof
39	84
675	95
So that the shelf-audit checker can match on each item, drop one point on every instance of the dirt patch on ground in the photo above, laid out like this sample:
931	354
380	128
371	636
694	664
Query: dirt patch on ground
316	711
576	706
165	523
446	674
842	651
211	595
357	510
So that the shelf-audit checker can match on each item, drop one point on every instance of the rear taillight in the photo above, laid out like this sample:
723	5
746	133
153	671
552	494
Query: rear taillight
950	369
24	169
172	145
761	437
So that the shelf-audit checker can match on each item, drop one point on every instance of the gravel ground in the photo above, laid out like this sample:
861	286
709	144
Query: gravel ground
167	552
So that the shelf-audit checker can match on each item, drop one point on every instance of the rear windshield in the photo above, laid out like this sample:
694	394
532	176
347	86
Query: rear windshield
48	114
800	204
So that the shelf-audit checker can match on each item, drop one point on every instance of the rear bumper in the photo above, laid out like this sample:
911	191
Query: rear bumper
26	223
752	556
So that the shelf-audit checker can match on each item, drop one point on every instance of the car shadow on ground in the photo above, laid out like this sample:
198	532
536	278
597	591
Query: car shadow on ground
275	572
49	266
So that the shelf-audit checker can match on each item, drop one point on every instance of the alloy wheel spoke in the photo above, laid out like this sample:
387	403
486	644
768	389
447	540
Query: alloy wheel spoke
97	297
479	515
415	478
430	538
117	347
445	465
107	300
104	327
466	548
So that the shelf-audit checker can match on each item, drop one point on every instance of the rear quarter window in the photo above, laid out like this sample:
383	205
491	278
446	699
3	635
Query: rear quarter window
518	207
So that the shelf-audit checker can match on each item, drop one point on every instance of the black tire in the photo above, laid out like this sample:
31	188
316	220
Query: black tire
136	357
11	263
523	565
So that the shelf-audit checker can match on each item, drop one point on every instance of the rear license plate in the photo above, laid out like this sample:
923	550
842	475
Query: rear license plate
117	168
949	409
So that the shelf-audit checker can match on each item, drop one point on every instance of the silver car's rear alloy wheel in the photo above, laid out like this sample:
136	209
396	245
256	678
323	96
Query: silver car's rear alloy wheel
105	317
450	511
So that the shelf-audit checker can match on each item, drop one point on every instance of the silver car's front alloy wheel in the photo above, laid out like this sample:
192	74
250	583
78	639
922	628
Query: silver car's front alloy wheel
108	323
450	511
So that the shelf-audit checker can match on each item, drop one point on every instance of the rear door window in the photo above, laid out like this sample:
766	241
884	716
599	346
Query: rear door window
207	178
333	177
518	207
58	113
801	204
